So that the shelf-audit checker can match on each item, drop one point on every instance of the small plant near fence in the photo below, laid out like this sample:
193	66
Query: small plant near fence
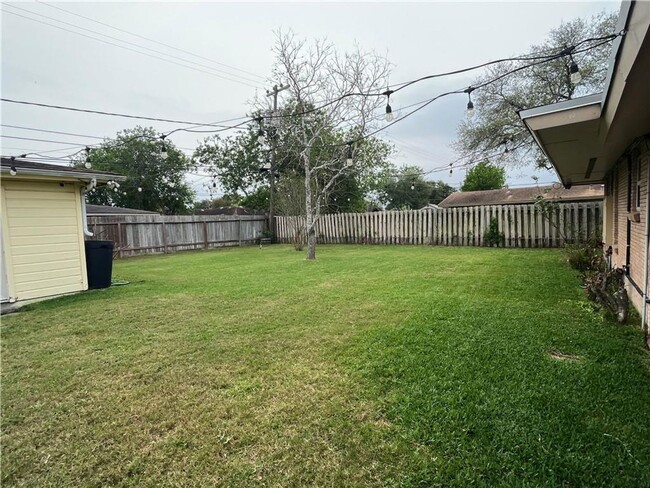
492	236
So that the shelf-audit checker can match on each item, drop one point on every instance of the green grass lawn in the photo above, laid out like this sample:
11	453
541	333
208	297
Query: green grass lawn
373	366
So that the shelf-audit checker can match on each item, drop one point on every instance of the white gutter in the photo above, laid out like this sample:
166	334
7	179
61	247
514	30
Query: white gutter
102	177
87	188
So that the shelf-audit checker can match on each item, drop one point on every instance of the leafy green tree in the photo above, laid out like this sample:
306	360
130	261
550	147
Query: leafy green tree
235	162
257	200
484	176
496	105
154	182
409	190
439	191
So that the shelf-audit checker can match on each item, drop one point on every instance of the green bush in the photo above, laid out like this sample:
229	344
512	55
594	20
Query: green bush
586	256
492	235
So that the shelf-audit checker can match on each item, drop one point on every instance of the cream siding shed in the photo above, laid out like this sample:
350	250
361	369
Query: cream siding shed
42	229
44	237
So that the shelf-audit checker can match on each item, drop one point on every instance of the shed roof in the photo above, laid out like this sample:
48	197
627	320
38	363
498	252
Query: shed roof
511	196
92	210
32	168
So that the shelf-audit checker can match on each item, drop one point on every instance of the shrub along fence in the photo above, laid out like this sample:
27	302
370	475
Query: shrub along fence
518	226
141	234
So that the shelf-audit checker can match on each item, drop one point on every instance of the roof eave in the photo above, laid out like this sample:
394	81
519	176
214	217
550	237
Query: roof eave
77	175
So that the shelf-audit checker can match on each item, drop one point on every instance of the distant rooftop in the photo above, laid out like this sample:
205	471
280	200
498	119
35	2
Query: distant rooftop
228	211
512	196
94	210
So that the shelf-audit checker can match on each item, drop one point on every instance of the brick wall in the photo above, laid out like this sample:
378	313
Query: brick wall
631	170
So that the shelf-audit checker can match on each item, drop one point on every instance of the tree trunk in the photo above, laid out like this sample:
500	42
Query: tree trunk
309	217
311	244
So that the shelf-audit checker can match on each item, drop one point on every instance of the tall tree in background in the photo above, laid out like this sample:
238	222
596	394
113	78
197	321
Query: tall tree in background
235	162
484	176
154	181
324	115
410	190
497	104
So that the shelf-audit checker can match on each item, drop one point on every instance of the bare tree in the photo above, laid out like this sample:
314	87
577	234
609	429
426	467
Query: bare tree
333	100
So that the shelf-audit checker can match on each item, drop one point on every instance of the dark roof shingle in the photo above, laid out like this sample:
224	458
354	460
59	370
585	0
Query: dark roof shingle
92	210
511	196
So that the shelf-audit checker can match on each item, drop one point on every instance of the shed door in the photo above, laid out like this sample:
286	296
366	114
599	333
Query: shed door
45	238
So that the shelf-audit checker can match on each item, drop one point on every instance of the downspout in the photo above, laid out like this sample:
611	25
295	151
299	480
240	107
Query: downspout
84	189
644	321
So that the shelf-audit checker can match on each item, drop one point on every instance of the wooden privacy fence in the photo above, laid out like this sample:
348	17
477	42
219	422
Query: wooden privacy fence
521	225
140	234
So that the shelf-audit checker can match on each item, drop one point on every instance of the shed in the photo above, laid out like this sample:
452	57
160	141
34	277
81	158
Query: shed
42	228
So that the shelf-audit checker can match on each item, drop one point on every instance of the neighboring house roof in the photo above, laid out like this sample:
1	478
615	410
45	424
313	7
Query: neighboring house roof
228	211
584	137
31	168
95	210
511	196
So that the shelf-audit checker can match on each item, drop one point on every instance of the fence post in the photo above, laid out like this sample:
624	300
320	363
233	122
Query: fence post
239	231
164	236
205	234
119	240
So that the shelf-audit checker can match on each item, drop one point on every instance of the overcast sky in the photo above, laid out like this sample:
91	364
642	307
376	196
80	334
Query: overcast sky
45	64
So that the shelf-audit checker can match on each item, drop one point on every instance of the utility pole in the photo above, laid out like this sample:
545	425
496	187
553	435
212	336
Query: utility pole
273	93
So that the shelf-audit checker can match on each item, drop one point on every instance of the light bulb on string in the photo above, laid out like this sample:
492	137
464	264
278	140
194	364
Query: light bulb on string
412	186
349	161
389	109
574	73
140	189
88	163
12	170
470	104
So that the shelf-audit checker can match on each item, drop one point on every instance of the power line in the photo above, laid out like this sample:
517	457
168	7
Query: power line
114	114
39	140
49	131
153	40
137	45
120	46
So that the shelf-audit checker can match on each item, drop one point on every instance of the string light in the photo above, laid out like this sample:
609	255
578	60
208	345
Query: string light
139	189
261	137
470	104
12	170
451	169
574	72
163	147
88	163
412	186
349	161
389	110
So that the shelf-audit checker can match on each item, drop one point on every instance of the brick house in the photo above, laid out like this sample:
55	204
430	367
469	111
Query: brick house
605	138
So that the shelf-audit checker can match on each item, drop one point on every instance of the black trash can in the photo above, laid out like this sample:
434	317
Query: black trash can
99	263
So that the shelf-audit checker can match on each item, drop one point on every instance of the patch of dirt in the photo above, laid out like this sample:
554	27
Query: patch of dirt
564	356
